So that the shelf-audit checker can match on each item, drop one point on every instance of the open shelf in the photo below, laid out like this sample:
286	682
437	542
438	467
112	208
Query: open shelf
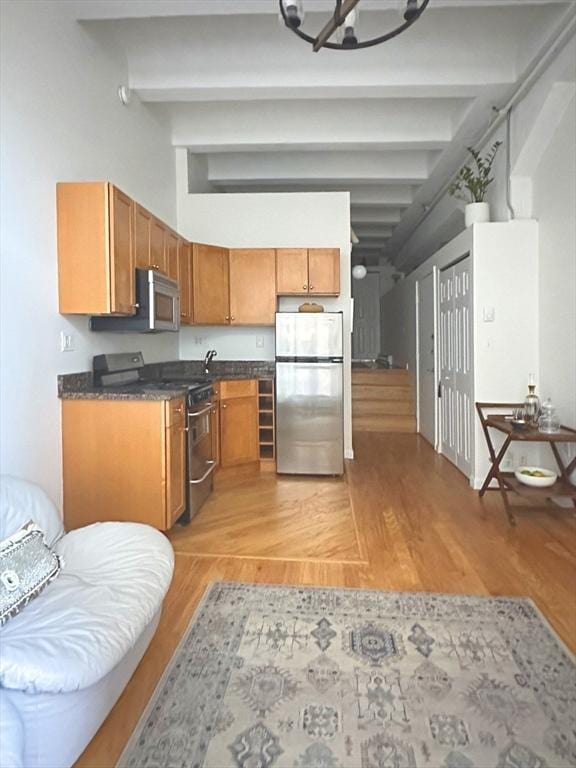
266	425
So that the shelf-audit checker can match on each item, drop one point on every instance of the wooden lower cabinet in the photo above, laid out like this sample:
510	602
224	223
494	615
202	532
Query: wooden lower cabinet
123	460
238	422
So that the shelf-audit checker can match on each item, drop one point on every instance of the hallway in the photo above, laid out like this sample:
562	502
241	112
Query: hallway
418	525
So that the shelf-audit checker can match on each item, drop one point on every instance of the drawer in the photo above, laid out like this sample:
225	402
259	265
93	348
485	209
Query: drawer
175	411
238	388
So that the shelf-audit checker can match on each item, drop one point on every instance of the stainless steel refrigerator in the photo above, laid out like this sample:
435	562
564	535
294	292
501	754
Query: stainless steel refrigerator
309	417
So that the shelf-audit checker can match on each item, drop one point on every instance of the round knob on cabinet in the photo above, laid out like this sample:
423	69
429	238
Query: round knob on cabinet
155	266
224	405
305	287
311	287
136	306
232	318
227	317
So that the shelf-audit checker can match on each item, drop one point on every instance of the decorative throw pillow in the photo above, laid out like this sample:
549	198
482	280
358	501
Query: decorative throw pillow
27	565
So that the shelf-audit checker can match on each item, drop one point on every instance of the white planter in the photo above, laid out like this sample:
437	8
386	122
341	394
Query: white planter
477	213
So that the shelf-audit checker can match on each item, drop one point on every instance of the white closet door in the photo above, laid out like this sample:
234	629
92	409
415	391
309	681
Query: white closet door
463	361
454	319
447	365
366	334
426	360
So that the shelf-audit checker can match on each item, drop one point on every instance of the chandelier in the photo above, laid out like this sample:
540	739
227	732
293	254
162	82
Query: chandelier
344	22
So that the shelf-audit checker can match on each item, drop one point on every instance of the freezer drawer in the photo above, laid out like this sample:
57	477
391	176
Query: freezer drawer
308	334
309	423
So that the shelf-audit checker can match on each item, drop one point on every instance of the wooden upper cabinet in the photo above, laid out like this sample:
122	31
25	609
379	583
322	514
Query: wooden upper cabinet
302	271
142	224
324	271
252	286
291	271
158	245
122	288
95	249
172	254
185	281
211	297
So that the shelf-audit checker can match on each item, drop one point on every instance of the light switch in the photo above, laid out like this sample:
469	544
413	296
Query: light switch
489	314
66	342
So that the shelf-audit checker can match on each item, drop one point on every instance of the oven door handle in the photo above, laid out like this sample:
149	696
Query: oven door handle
209	471
200	413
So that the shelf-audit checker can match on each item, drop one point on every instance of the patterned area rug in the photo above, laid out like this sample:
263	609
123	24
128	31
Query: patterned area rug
297	677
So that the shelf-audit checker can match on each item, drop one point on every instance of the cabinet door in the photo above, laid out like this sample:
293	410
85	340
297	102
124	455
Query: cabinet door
211	293
175	473
252	286
215	432
142	222
324	271
185	281
238	431
172	254
291	271
122	296
158	245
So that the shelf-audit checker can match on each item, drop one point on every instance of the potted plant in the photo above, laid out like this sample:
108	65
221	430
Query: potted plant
472	182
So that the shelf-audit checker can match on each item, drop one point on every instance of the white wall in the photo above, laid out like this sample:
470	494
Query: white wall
61	120
555	207
261	220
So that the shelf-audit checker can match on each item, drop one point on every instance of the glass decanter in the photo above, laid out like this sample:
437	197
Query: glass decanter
548	423
532	402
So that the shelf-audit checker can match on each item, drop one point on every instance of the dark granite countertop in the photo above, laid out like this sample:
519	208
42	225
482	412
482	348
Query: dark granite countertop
80	386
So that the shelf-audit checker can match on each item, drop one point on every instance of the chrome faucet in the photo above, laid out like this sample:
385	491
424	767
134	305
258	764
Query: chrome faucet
210	355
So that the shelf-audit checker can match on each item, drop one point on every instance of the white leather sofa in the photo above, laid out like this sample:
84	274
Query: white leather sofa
65	659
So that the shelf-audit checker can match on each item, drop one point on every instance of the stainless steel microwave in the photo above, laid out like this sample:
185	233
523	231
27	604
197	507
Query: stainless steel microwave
158	306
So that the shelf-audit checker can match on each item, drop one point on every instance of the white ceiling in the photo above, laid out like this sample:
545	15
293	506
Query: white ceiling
389	123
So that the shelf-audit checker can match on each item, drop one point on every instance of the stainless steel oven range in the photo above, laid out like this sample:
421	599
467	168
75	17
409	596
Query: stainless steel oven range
200	463
123	372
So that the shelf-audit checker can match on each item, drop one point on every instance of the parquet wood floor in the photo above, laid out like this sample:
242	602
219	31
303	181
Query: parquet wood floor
419	527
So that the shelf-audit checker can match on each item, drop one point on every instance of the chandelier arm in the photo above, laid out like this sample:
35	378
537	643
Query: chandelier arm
366	44
341	10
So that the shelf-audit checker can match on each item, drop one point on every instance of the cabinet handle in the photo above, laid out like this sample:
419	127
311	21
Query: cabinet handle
227	317
179	410
311	287
136	306
305	287
224	405
232	318
155	266
182	314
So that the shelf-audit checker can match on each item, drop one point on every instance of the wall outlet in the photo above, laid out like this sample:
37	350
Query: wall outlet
67	343
260	342
199	340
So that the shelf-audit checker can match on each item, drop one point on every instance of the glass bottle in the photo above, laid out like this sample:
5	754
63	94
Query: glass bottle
532	402
548	423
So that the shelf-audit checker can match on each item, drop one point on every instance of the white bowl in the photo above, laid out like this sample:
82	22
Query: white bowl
536	482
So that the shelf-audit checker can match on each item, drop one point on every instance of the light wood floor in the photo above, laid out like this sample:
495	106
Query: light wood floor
414	524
